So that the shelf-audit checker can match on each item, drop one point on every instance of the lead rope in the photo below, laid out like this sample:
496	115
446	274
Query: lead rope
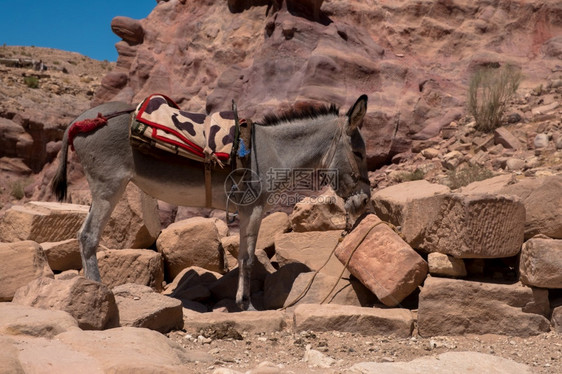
309	284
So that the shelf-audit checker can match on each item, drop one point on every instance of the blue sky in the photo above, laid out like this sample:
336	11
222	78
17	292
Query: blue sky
82	26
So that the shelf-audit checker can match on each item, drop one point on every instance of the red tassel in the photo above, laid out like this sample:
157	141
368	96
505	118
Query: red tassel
86	125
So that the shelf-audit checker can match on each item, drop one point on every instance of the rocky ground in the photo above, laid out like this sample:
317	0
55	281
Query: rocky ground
286	350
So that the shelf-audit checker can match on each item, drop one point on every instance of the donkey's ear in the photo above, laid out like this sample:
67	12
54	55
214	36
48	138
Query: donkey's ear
356	114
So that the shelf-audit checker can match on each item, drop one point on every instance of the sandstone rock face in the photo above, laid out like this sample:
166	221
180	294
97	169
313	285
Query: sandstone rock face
541	262
140	266
192	242
411	205
63	255
89	302
251	321
456	307
345	292
459	362
380	250
128	29
271	226
134	223
24	320
311	248
557	319
140	306
42	222
20	263
543	203
476	226
321	213
365	321
128	349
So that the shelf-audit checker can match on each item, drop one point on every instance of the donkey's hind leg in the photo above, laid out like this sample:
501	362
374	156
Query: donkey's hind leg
89	235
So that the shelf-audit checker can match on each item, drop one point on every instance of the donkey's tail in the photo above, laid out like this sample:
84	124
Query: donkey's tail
59	183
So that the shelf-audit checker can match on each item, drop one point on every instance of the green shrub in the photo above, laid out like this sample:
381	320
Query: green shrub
461	177
488	93
31	82
415	175
17	190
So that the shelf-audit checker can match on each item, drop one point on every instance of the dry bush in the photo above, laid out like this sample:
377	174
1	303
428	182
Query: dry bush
488	93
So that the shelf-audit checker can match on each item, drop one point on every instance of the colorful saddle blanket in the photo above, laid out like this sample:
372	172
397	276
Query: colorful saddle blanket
159	121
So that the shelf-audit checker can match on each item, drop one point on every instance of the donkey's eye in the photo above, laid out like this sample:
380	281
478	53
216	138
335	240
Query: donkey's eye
358	154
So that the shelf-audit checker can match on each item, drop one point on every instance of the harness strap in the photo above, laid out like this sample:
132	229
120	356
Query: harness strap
208	186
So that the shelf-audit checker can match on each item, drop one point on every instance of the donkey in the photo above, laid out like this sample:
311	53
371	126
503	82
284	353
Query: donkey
310	138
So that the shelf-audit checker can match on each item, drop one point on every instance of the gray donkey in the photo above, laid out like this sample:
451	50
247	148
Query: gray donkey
318	139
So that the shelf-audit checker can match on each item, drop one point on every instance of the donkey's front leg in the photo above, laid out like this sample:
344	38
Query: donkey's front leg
250	221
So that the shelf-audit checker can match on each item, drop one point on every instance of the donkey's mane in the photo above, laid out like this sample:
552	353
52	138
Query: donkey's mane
305	112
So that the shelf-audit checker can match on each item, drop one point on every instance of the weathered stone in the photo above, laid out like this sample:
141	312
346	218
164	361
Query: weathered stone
271	226
134	222
541	197
90	303
446	265
504	137
140	266
556	319
476	226
445	363
9	357
541	141
324	289
458	307
312	248
321	213
249	321
371	249
42	222
514	164
140	306
366	321
231	246
410	205
128	29
20	263
24	320
191	242
190	277
63	255
541	262
128	350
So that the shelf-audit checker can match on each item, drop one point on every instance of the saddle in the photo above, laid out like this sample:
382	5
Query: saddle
216	140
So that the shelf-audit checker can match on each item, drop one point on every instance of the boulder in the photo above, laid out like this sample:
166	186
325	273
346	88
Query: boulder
42	222
20	263
540	264
319	213
504	137
410	205
63	255
556	319
190	277
394	322
191	242
458	307
248	321
140	306
312	248
25	320
277	285
134	222
231	246
91	303
445	363
541	197
328	289
371	249
445	265
476	226
140	266
271	226
129	350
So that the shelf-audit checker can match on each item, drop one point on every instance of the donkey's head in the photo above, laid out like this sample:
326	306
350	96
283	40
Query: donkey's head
347	155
